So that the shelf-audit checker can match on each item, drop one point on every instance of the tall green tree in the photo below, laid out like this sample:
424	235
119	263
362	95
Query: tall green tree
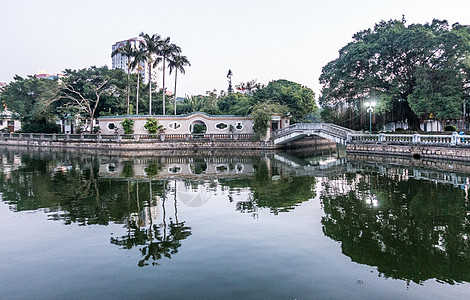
299	99
150	48
167	50
139	57
411	69
129	52
85	89
177	62
33	99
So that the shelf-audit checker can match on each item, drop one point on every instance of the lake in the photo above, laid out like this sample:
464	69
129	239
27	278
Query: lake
205	225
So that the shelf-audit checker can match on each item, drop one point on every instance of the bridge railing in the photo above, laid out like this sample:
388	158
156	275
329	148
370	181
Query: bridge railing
328	127
421	139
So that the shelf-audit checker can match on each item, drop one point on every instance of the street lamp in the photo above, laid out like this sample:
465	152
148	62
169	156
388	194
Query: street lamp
370	110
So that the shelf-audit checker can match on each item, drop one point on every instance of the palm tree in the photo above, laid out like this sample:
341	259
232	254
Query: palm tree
129	52
136	64
150	47
178	62
167	50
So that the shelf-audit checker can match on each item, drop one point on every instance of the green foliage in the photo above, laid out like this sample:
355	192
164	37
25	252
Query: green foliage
450	128
152	169
33	99
262	113
199	128
128	126
411	70
40	128
298	99
89	91
152	126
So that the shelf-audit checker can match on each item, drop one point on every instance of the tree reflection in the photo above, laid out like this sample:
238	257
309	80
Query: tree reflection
410	230
157	240
270	189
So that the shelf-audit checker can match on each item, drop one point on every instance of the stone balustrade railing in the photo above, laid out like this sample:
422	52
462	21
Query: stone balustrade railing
124	137
408	139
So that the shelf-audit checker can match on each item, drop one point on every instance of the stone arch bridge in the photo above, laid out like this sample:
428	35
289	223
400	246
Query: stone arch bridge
297	131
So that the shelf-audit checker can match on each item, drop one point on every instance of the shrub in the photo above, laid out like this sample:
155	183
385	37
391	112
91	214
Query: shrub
40	128
128	126
152	126
450	128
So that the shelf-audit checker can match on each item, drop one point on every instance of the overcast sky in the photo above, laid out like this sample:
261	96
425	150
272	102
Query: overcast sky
256	39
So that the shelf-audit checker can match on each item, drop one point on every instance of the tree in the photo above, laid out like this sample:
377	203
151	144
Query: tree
411	69
84	89
129	52
167	50
299	99
177	62
262	113
229	76
33	99
149	48
139	58
249	87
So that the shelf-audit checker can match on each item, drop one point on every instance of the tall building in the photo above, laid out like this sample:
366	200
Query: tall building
120	61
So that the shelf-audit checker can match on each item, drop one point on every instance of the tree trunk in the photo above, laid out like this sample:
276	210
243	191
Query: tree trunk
150	89
164	92
137	94
128	88
174	92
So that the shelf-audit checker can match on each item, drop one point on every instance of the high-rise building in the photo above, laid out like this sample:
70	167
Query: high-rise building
120	61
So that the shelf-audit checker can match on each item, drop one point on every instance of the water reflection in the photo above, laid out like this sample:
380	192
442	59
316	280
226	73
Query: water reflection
409	219
138	192
409	229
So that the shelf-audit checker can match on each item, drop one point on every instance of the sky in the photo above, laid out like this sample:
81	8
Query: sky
257	39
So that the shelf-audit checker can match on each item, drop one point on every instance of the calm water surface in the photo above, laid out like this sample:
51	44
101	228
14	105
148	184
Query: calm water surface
204	226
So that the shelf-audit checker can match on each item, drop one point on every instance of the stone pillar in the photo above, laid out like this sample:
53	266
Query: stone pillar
454	139
381	137
416	138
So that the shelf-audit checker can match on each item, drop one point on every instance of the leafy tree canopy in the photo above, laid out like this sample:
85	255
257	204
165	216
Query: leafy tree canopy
88	90
33	99
299	99
413	70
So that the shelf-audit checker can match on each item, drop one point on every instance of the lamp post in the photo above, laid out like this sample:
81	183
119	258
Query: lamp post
370	109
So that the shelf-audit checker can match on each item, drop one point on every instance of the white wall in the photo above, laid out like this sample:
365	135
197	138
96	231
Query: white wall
180	124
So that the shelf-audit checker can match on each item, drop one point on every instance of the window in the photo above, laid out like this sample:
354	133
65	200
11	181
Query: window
221	126
111	126
1	122
11	123
174	125
239	126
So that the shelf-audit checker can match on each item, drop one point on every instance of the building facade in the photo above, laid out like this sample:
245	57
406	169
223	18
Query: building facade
120	61
9	122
